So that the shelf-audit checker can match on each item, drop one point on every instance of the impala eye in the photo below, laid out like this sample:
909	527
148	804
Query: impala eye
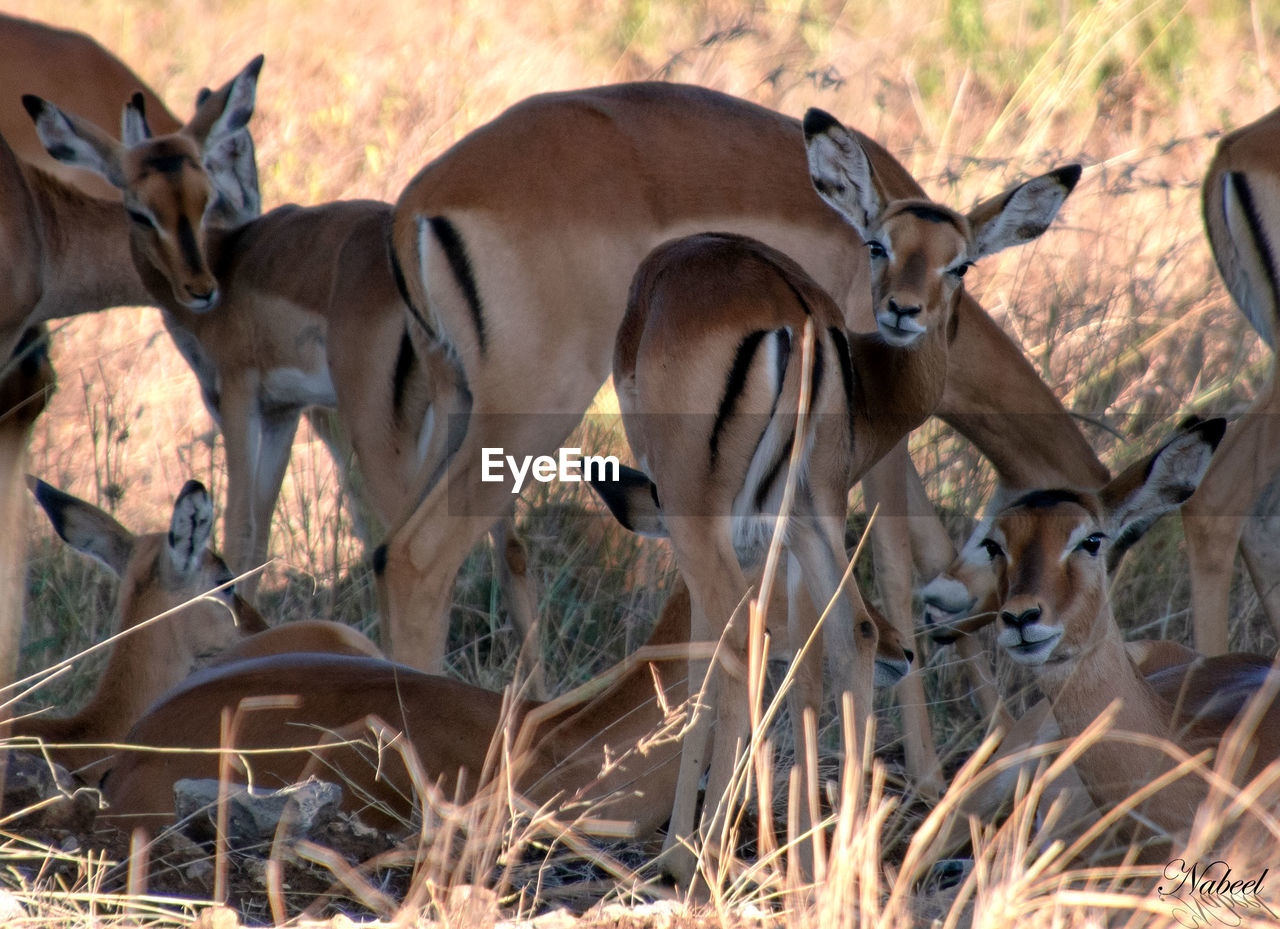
992	548
1091	544
961	270
142	219
876	250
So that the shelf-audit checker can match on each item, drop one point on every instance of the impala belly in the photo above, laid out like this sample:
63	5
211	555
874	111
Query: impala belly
296	387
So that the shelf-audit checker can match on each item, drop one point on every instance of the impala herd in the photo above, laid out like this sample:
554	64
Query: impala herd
782	305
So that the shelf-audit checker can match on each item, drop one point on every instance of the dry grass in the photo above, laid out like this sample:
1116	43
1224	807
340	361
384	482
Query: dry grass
1119	308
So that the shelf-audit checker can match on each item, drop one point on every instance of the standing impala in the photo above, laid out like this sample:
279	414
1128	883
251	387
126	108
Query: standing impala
707	369
516	248
1242	216
1050	550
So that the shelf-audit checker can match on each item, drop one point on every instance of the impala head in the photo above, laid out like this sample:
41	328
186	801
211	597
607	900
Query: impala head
920	250
172	185
161	571
1051	549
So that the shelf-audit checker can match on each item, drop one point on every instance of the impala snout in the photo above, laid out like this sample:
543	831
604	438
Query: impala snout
900	323
1025	634
200	295
891	670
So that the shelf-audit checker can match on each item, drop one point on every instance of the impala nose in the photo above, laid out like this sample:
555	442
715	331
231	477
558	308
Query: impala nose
1020	620
902	311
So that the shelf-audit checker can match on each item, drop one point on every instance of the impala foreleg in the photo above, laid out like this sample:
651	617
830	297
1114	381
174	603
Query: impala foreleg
258	446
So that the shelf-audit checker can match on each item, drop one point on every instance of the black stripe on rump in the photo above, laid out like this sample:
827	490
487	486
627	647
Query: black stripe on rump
734	384
455	252
1257	231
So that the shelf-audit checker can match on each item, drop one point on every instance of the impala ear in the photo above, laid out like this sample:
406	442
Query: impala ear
190	527
226	110
84	527
75	141
133	124
1148	489
1021	213
633	501
840	170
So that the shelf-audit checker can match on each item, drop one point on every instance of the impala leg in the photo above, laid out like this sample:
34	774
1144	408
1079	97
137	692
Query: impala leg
716	584
417	566
522	602
1213	519
328	427
1260	547
258	447
886	484
24	390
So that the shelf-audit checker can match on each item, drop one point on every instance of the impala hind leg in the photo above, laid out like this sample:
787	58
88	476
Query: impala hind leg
419	563
886	484
717	587
1213	518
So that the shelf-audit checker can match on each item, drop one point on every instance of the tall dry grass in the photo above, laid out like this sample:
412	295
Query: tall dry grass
1119	307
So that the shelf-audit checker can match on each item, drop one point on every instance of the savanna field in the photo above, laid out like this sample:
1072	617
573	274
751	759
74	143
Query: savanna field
1119	307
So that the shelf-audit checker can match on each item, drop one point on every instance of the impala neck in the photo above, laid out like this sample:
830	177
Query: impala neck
896	389
88	265
995	398
1112	769
569	746
141	666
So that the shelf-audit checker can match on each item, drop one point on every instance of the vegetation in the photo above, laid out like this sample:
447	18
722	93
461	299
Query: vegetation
1119	307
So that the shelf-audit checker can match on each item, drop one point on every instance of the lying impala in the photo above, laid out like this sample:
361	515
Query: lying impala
161	572
1242	216
604	750
1050	550
708	374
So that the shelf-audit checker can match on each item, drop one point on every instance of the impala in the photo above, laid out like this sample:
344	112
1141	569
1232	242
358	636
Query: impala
708	374
161	572
1242	216
516	247
1050	551
607	749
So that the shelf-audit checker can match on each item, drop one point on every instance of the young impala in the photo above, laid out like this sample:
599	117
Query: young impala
708	374
1050	550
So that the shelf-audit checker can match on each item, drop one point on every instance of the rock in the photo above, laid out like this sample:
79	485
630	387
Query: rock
55	801
252	816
